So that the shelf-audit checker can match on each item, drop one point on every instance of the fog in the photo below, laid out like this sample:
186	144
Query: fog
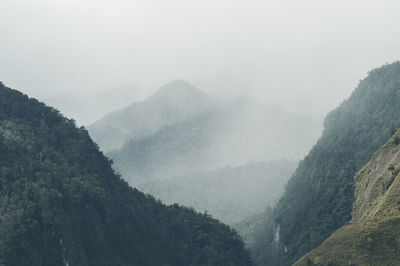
302	55
198	141
182	146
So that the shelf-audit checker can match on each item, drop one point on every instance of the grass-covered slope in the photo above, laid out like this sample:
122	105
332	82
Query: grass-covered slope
370	243
62	204
318	198
373	236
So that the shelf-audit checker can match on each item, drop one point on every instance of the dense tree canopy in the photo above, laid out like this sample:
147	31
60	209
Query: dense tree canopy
60	202
319	196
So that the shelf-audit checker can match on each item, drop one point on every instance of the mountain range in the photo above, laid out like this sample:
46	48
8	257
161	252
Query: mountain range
62	204
172	103
191	154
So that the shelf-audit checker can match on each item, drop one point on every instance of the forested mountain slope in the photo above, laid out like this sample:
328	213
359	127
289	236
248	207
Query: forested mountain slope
373	236
319	196
172	103
229	193
241	132
62	204
232	161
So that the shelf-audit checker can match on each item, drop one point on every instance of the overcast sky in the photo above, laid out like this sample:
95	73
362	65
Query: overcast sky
305	55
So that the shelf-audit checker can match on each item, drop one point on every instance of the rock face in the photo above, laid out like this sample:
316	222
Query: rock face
373	235
378	185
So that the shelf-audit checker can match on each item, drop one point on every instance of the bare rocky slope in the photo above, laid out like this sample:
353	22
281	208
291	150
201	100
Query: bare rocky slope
373	235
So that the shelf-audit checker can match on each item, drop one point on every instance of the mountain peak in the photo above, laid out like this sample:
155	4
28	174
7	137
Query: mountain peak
173	102
178	89
177	83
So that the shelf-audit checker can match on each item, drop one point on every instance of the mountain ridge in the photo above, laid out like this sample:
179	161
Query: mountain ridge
237	134
61	203
318	198
373	235
172	103
224	192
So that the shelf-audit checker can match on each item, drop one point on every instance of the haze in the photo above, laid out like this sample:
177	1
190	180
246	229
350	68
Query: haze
303	55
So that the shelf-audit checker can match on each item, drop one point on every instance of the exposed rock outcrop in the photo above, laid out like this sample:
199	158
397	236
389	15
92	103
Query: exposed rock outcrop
373	235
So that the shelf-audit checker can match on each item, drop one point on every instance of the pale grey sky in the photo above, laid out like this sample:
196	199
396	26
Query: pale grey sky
304	55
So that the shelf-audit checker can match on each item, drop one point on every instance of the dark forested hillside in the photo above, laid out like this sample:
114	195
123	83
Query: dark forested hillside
319	196
62	204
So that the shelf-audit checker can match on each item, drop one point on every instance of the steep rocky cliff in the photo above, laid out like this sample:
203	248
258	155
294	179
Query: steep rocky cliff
373	235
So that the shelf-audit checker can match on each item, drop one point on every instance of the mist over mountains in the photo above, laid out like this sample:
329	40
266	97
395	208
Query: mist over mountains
87	107
230	194
184	147
172	103
240	131
236	161
199	133
62	204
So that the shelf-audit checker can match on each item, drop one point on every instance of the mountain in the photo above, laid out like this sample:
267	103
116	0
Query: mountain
172	103
228	193
62	204
209	161
239	133
373	235
318	198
